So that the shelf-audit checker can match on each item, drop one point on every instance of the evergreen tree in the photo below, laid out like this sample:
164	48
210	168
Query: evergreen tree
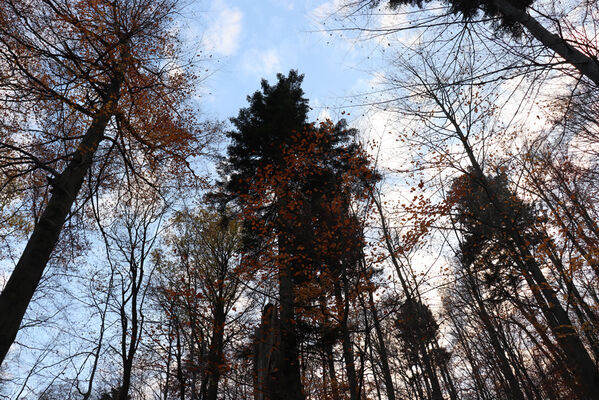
264	130
295	184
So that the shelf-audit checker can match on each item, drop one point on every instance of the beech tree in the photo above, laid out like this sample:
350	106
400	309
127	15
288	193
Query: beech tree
90	84
200	291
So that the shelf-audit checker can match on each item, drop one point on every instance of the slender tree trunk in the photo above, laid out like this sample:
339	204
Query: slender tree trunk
169	355
560	324
332	373
328	367
382	349
448	380
478	380
128	355
215	354
418	387
126	383
97	352
26	276
504	364
128	352
348	354
430	371
179	360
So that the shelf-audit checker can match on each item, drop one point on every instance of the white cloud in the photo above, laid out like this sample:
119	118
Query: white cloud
324	114
326	14
327	9
223	35
261	63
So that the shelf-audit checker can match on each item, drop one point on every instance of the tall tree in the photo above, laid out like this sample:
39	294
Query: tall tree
102	81
512	16
295	183
499	225
263	131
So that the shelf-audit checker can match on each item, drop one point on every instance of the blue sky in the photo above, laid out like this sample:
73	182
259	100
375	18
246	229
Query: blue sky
253	40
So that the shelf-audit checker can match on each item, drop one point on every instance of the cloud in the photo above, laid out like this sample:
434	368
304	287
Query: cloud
327	9
261	63
324	14
222	36
324	114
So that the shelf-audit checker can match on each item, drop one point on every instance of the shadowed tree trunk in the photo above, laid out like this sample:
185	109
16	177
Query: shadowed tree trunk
348	354
585	64
215	354
290	383
266	356
382	348
26	276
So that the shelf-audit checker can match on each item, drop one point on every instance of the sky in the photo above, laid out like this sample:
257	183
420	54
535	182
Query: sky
247	41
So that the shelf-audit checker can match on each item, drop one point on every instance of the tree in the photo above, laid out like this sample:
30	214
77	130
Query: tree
201	288
295	183
263	130
512	16
418	330
104	86
492	216
130	240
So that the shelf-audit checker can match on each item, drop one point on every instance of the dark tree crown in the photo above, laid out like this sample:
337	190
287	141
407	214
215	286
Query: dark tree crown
469	9
273	114
486	245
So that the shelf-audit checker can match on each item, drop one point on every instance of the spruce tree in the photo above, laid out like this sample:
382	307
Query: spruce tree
294	183
263	130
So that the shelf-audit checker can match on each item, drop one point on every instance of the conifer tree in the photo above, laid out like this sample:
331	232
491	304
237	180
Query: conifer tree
295	184
263	131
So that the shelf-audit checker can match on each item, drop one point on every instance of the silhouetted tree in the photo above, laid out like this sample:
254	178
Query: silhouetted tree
295	184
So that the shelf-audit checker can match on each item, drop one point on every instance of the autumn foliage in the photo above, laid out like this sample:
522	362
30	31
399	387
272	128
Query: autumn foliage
464	266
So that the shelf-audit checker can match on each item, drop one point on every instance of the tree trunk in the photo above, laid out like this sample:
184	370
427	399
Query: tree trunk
126	384
382	350
583	63
332	373
430	371
290	383
128	352
504	364
179	360
26	276
215	354
348	354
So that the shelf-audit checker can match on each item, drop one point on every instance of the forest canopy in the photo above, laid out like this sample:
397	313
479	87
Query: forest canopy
438	242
